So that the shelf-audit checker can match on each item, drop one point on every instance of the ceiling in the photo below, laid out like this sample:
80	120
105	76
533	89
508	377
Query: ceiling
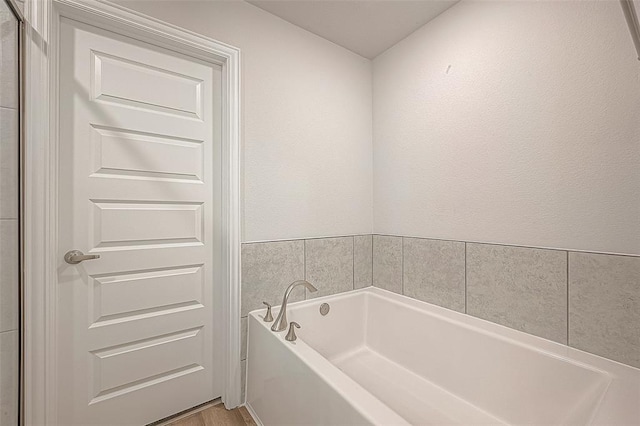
366	27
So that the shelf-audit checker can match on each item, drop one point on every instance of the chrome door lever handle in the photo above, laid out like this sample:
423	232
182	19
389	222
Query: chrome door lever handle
74	257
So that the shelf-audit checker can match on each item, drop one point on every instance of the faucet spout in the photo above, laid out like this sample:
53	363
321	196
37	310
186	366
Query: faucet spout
281	323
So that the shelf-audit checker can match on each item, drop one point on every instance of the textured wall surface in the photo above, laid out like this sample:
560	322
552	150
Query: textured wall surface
307	166
507	122
511	122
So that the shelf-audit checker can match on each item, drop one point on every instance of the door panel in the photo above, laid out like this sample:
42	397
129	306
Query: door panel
139	169
114	79
160	157
132	366
122	297
119	225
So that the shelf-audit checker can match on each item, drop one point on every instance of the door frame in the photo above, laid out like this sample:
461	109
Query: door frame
41	186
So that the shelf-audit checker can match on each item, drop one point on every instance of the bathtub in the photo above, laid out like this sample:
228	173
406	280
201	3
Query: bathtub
378	358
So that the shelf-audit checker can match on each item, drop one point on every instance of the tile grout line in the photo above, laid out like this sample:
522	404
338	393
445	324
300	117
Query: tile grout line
304	265
402	263
372	251
353	262
465	277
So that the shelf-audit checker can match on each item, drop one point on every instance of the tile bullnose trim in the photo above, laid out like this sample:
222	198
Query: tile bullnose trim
514	245
304	238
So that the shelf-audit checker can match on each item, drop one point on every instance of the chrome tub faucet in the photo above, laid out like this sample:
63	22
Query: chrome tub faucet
281	323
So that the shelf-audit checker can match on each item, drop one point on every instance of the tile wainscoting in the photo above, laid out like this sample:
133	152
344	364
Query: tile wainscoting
589	301
332	264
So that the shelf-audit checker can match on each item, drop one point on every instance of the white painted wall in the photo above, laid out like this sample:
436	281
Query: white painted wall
511	122
307	167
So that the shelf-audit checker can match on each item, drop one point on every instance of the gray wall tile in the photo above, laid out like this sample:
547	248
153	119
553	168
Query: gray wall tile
9	378
362	261
434	272
243	337
604	305
9	279
9	373
267	270
8	163
329	265
8	60
521	288
387	262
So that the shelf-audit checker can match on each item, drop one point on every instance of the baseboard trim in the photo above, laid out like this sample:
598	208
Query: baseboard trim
253	414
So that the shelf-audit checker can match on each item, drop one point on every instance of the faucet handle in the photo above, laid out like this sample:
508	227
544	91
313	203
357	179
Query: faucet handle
268	317
291	335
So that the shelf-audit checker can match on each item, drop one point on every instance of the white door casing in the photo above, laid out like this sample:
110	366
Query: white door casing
43	346
139	185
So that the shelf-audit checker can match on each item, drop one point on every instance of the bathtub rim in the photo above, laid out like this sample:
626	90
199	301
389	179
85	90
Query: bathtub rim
366	404
502	332
623	379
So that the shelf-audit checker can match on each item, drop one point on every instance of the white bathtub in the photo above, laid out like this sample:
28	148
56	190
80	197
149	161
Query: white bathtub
381	358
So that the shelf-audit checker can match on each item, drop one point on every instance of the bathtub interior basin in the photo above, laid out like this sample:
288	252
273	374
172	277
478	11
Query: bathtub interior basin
432	366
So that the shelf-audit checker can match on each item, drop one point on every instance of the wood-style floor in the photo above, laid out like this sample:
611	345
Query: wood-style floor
216	415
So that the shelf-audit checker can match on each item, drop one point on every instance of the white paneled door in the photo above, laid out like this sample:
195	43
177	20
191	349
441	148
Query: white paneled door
139	186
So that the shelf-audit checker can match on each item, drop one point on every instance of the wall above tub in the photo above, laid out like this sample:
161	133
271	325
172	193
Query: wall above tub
507	122
514	123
